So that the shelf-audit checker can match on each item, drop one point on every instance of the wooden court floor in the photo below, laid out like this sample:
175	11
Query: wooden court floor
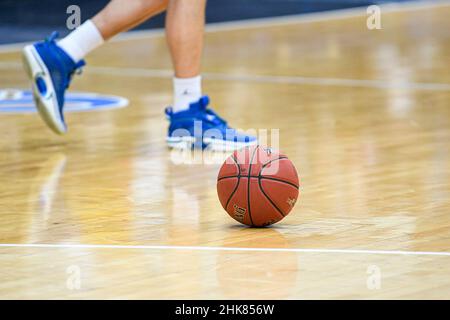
107	211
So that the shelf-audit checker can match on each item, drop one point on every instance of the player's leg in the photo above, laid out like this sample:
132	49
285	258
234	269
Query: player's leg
191	122
185	21
122	15
51	64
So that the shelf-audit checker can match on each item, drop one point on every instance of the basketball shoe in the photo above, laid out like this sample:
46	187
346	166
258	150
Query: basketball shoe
50	70
201	127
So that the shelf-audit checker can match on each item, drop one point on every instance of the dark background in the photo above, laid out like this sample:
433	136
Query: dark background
26	20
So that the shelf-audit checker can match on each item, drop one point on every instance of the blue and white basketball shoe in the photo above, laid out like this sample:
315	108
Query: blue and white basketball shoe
201	127
50	70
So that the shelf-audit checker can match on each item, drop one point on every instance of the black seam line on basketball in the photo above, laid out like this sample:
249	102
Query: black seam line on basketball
269	162
232	194
263	178
228	177
279	180
237	164
237	184
248	185
270	200
260	185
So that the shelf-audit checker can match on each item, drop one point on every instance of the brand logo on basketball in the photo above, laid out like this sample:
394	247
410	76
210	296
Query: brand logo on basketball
239	212
291	202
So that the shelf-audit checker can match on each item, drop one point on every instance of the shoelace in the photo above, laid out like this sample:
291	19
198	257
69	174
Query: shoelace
78	68
203	104
216	118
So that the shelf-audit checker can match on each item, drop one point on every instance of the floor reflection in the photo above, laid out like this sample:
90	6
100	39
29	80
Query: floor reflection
260	275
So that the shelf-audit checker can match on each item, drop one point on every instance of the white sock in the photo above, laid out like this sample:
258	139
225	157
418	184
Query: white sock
81	41
185	92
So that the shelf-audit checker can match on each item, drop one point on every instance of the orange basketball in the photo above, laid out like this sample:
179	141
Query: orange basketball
257	186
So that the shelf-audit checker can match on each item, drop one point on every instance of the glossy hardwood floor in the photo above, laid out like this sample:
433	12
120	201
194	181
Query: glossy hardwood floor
364	115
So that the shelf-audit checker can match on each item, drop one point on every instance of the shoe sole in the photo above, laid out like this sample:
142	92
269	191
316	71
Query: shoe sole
46	105
211	144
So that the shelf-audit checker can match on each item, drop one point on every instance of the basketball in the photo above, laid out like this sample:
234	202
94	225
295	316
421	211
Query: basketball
257	186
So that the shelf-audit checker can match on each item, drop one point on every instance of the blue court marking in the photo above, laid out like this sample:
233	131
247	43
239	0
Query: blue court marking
21	101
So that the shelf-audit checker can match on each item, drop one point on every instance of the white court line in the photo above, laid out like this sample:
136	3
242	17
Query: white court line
270	21
203	248
380	84
166	74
